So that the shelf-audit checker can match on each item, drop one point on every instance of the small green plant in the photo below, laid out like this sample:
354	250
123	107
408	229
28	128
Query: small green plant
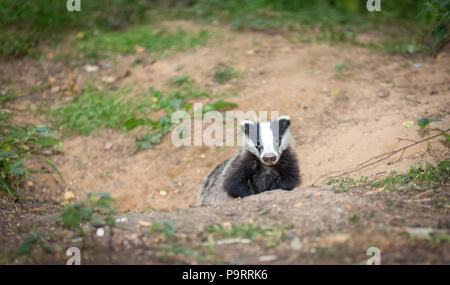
418	177
16	144
30	241
174	99
224	73
95	108
341	70
342	184
424	124
95	209
165	227
354	219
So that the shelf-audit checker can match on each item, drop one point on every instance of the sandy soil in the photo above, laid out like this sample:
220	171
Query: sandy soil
318	228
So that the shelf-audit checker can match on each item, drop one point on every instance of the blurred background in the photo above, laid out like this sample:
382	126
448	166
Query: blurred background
411	25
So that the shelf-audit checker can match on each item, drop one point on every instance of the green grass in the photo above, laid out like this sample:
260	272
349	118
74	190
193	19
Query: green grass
103	44
420	176
26	24
95	108
224	73
95	208
409	26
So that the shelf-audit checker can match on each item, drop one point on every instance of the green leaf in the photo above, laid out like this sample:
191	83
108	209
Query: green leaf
18	171
133	123
5	153
71	216
169	229
110	221
18	163
49	161
45	141
423	122
28	243
408	124
444	165
86	213
5	186
104	202
219	104
446	136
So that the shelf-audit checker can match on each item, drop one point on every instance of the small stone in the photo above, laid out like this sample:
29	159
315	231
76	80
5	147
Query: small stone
121	220
100	232
108	145
91	68
296	243
383	93
144	224
54	89
109	79
420	233
162	193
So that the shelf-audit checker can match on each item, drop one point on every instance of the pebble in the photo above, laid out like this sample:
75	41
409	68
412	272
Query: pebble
383	93
267	258
108	145
91	68
100	232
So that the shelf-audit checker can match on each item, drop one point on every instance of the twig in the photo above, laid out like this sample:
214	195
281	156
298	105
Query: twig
378	158
417	200
409	140
110	244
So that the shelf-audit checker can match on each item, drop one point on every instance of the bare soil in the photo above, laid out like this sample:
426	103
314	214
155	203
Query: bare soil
338	121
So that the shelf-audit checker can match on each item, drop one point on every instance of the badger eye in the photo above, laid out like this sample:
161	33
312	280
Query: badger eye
258	145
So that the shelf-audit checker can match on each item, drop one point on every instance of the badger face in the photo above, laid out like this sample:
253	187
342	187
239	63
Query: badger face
267	140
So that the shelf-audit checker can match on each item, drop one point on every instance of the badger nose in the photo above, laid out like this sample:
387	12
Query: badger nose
269	158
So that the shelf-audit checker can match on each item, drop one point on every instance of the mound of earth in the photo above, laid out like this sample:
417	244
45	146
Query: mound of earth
304	226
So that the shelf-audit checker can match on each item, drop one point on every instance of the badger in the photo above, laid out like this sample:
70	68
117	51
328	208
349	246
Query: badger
267	161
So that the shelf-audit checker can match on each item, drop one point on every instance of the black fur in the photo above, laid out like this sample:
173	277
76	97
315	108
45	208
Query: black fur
251	176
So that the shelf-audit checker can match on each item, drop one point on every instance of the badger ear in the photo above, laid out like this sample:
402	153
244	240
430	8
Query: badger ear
284	122
246	125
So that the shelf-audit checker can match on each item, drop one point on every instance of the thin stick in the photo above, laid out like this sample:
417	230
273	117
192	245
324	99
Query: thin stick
377	158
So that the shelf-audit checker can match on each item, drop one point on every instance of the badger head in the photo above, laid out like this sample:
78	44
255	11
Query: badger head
267	140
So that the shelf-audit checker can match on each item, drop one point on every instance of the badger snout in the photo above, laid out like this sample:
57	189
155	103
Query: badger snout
269	158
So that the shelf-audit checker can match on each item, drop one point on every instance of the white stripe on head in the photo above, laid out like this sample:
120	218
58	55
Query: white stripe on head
267	139
284	117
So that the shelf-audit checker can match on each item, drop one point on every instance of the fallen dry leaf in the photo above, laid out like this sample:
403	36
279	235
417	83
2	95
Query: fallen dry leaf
139	49
144	224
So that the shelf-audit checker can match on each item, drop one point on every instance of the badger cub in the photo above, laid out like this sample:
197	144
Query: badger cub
266	162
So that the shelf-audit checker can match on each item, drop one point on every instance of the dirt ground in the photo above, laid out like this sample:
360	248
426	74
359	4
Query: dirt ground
320	219
338	121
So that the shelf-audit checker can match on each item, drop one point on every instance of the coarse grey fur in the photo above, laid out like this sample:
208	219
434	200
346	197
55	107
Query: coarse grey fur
211	191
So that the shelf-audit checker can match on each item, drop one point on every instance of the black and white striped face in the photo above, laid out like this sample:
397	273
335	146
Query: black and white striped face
267	140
